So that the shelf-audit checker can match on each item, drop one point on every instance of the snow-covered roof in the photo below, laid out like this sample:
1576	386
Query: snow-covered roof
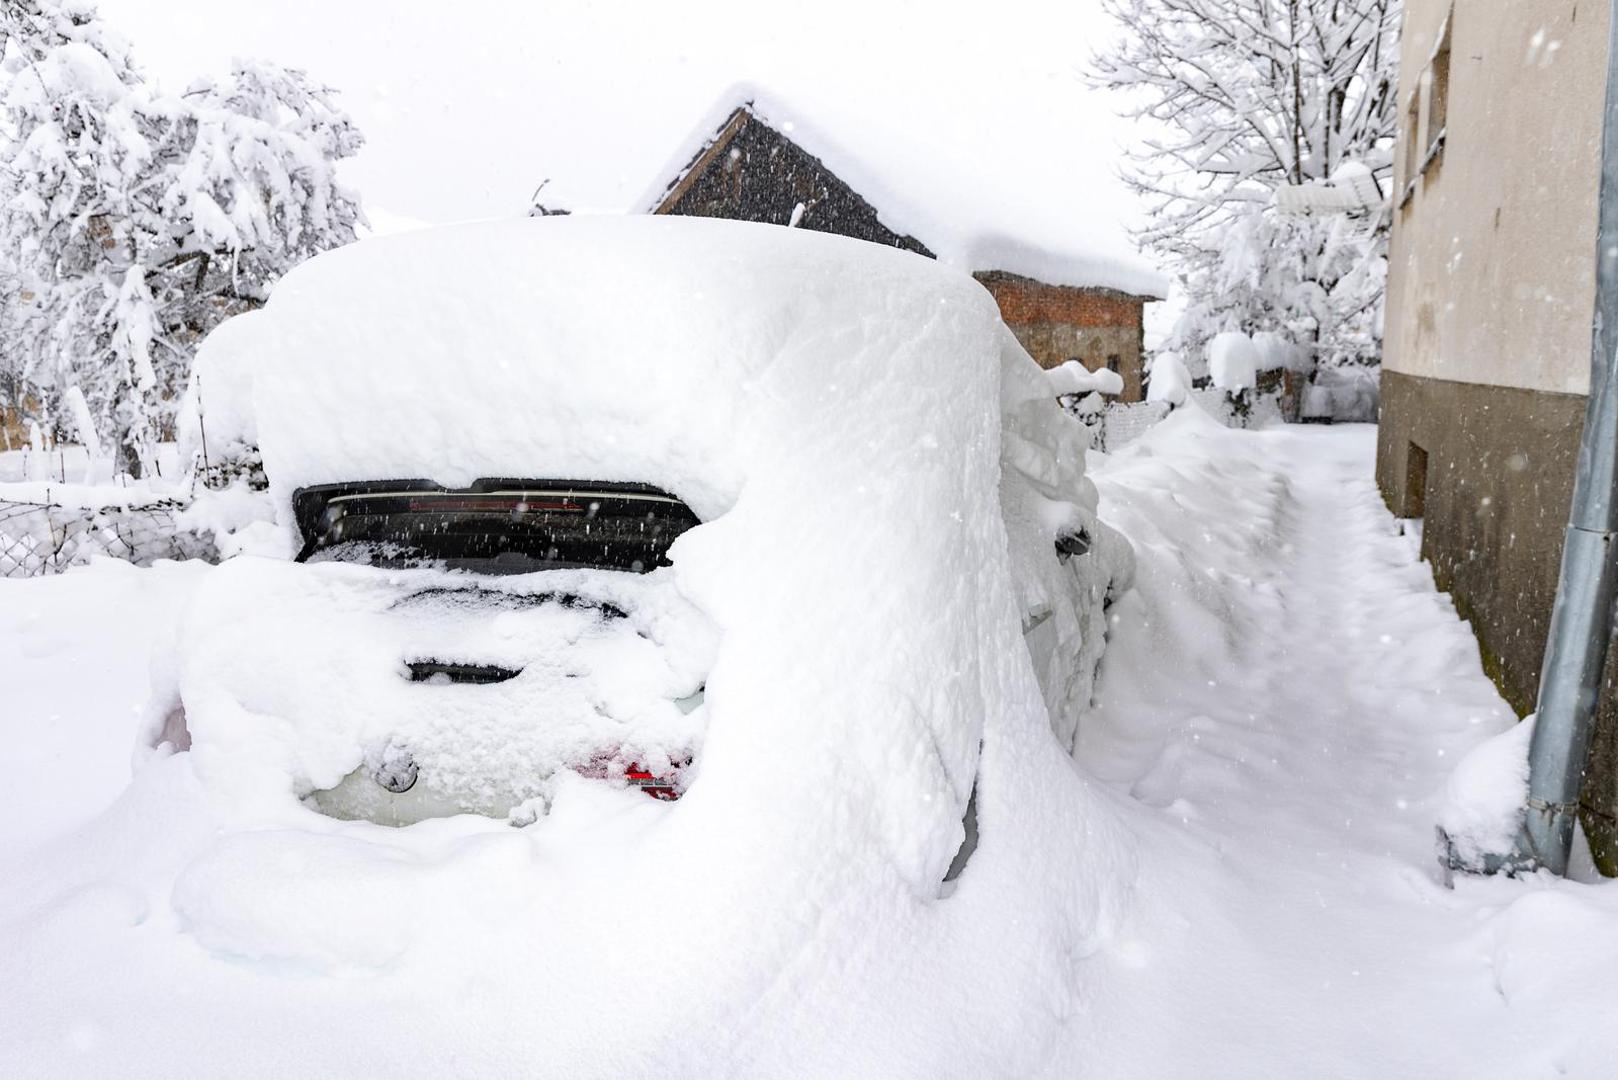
974	223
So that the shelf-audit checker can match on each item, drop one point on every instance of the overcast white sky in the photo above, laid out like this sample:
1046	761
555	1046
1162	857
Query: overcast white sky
467	105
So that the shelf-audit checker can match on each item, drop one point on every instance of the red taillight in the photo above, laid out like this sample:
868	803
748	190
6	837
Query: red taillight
658	787
667	786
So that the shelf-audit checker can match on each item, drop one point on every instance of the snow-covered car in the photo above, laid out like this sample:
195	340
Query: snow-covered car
483	612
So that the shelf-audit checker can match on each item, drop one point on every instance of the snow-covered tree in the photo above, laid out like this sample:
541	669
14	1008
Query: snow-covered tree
1241	98
135	222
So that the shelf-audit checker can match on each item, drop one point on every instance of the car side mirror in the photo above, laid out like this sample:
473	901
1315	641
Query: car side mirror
1072	543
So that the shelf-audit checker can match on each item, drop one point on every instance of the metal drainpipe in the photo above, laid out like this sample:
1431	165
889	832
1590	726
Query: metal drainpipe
1581	622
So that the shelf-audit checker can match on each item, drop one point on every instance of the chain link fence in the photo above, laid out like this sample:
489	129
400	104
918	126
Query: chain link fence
47	537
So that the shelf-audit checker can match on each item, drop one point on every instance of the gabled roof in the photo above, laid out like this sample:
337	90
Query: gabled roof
784	184
913	198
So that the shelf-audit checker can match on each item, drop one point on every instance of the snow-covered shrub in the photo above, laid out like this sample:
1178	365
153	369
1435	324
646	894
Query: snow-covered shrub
1233	361
1168	380
1073	378
1484	799
1278	353
1083	394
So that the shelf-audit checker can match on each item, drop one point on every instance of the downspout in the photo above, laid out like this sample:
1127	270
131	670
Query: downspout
1582	620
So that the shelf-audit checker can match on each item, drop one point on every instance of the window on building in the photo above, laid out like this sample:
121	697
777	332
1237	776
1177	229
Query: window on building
1424	141
1437	83
1415	482
1412	145
1413	520
1114	363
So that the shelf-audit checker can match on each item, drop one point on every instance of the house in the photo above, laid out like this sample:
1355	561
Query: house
1490	302
752	165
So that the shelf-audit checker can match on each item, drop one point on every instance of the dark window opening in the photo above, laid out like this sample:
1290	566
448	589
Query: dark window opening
1438	100
1415	505
492	527
1114	362
1412	146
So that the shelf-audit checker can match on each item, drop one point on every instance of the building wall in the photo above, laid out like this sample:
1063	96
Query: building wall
1492	477
1057	323
1490	297
1491	294
1491	270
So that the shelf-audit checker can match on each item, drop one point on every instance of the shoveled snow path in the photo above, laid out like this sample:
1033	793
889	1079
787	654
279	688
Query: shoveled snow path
1287	693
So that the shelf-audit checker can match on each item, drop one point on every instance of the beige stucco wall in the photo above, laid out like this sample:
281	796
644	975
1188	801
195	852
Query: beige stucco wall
1491	275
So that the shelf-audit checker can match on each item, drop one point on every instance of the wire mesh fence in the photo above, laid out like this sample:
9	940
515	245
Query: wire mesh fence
48	537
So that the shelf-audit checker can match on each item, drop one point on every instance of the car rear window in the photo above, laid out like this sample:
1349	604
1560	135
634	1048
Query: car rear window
492	527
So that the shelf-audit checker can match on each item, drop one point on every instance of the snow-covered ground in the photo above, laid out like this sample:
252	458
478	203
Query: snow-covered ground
1282	700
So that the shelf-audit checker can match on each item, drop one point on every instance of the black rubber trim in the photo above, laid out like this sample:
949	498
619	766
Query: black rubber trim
460	672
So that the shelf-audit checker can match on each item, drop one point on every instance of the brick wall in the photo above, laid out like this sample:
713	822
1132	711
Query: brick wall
1057	323
1024	300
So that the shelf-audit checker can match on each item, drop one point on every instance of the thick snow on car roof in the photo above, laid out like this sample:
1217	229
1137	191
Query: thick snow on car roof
604	348
833	410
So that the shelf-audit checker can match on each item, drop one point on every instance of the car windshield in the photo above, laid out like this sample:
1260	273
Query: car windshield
492	527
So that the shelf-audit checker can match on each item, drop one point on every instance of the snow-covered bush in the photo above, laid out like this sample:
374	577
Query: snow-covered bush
1168	381
133	222
1073	378
1484	798
1233	361
1277	353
